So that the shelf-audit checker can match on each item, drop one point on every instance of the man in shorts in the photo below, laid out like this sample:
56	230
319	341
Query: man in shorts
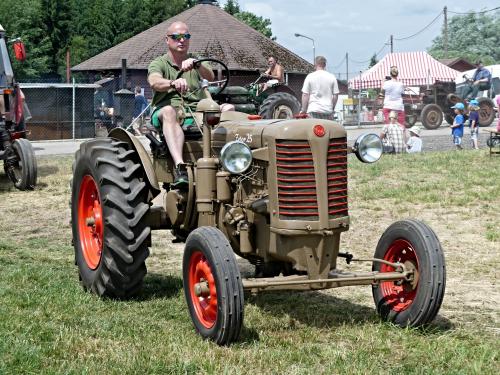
167	104
274	73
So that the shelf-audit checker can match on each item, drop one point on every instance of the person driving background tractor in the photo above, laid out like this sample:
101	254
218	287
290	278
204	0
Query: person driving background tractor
172	94
274	73
481	80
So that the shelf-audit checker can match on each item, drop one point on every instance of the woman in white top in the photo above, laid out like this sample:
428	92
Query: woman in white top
392	93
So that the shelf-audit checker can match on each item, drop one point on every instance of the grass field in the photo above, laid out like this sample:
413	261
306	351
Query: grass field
48	324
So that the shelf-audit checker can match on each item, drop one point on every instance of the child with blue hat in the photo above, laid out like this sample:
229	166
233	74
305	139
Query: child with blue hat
474	122
457	129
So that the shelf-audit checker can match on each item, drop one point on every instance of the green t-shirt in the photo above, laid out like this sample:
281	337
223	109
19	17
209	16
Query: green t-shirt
168	70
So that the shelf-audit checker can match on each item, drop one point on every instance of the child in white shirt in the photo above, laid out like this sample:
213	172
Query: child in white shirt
414	144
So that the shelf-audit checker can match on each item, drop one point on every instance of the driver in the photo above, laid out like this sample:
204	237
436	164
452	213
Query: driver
168	112
480	81
274	72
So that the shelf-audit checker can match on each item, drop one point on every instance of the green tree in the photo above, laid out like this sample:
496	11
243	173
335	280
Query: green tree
472	36
22	19
373	61
261	24
232	7
56	16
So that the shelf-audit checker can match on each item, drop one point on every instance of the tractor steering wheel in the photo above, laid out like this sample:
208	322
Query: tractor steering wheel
220	85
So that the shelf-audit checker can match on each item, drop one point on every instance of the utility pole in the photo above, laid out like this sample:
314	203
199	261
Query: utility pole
445	11
347	67
392	43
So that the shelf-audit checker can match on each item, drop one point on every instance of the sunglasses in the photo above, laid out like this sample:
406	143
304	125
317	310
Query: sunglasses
186	36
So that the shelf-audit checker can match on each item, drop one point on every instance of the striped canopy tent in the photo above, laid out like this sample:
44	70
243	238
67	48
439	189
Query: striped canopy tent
415	69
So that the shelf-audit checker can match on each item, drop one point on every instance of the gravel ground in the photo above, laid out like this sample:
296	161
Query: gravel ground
433	140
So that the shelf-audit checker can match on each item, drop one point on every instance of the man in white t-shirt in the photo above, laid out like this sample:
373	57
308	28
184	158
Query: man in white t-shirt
320	92
392	93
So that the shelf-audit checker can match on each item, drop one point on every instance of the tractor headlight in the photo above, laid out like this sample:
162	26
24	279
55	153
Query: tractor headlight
368	148
236	157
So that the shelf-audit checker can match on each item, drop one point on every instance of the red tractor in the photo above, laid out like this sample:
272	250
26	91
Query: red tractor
15	150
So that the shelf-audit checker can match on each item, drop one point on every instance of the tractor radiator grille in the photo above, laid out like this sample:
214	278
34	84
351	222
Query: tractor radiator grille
296	181
337	178
297	193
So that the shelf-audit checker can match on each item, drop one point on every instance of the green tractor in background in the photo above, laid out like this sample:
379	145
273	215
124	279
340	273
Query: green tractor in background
276	102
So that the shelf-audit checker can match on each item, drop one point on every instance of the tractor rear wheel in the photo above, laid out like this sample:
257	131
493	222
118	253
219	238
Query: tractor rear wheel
432	116
212	285
280	105
22	170
109	204
486	111
416	246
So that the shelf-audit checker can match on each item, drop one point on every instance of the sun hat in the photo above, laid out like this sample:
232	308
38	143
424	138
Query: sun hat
458	106
415	130
474	102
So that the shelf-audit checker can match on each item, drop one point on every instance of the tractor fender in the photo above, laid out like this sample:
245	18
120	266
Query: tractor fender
280	88
147	165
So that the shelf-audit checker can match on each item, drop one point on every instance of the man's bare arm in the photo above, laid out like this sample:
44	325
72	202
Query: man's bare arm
158	83
206	73
305	102
335	98
2	106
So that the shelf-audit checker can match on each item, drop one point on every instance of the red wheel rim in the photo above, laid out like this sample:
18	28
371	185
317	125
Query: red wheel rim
399	297
90	224
204	302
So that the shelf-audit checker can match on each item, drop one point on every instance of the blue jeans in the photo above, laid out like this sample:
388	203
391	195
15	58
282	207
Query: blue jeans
472	90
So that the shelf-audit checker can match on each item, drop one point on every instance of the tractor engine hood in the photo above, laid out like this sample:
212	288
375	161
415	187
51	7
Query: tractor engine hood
258	133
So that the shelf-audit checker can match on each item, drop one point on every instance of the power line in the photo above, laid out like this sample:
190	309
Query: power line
415	34
370	59
474	12
339	64
422	30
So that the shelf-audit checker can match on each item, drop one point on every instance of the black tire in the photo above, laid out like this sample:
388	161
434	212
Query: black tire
493	142
410	305
486	111
209	256
452	99
108	189
24	171
279	105
431	116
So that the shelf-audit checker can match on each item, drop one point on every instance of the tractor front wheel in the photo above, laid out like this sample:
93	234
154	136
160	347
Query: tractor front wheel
109	204
20	165
415	302
212	285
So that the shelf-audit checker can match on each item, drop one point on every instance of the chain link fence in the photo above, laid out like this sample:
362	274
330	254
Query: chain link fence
75	110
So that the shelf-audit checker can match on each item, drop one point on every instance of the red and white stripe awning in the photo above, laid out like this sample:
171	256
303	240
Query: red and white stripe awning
415	69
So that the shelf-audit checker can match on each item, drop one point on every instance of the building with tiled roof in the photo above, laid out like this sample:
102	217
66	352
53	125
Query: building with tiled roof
215	34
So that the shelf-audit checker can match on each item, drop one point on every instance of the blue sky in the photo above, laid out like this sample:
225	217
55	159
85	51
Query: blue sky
360	28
